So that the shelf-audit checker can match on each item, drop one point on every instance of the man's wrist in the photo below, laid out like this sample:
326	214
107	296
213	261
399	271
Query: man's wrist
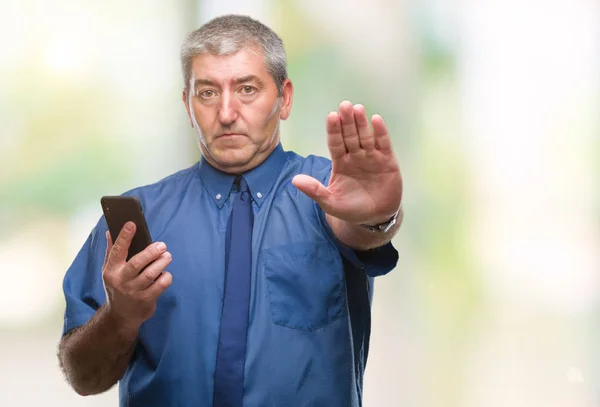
121	325
384	225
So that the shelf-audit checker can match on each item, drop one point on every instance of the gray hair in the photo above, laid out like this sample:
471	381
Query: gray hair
227	35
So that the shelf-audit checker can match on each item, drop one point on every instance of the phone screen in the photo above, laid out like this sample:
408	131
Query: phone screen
119	210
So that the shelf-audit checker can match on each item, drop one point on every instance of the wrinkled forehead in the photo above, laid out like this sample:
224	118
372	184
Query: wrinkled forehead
227	69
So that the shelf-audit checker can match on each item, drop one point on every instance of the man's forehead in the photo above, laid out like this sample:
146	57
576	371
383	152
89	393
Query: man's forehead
246	58
247	63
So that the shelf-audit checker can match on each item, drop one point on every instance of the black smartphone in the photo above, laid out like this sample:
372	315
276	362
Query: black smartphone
119	210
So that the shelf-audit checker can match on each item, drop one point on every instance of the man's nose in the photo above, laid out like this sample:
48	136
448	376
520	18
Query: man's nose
228	110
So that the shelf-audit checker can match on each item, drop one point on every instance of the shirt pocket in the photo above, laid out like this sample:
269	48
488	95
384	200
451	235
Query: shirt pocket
305	283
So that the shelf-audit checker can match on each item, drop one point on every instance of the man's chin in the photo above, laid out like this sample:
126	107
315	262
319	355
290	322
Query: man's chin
232	161
235	160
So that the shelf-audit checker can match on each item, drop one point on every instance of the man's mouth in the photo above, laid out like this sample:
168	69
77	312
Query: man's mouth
228	135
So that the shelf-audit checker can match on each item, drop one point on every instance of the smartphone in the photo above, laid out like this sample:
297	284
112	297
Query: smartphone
118	210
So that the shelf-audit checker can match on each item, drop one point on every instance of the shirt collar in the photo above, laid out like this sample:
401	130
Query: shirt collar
260	179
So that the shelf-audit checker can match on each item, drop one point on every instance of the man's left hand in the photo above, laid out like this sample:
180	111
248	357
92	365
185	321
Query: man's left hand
365	184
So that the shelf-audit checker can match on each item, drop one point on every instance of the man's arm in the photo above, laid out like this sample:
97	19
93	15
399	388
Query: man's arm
365	185
95	355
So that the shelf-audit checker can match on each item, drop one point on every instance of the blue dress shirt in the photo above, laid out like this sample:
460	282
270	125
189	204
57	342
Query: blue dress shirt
310	300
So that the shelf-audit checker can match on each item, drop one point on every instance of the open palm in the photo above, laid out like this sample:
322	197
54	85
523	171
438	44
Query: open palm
365	183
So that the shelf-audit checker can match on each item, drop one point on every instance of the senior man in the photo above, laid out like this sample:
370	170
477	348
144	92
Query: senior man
271	256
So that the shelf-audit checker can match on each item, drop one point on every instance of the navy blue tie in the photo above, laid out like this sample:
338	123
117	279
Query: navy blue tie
231	353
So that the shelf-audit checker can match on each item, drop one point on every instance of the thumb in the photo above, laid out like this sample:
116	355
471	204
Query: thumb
109	245
313	189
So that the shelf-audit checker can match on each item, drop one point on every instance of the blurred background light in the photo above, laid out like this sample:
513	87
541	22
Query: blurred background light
493	110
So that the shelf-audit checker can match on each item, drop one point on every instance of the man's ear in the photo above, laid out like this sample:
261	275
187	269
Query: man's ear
184	99
287	96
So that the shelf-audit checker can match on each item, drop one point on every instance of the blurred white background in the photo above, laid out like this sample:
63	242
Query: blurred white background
494	112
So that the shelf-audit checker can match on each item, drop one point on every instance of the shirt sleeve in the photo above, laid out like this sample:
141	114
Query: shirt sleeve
375	262
82	285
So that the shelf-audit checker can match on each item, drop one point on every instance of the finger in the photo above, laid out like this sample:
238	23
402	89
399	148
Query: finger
382	137
159	286
136	264
119	250
349	131
335	141
109	246
152	272
313	188
365	134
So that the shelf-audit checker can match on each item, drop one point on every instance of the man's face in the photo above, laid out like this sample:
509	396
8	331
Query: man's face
234	107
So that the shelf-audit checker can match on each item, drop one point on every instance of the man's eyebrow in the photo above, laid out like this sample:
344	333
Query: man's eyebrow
237	81
207	82
248	78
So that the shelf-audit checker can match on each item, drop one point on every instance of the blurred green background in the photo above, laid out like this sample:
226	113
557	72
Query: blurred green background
493	109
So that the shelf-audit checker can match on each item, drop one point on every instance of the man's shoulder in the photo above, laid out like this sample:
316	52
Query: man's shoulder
167	186
311	164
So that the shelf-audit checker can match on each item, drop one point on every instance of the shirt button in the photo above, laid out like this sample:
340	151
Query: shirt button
218	196
258	195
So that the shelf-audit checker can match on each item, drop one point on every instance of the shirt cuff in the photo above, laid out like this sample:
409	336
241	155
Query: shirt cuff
74	320
375	262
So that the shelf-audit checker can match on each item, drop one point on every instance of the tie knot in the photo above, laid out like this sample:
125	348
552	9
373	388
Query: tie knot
241	183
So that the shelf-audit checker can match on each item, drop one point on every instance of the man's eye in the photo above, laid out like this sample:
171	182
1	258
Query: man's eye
207	93
248	90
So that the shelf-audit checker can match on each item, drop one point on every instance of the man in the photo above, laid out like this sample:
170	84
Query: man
267	298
